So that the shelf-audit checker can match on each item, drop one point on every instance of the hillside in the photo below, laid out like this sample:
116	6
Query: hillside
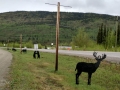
40	26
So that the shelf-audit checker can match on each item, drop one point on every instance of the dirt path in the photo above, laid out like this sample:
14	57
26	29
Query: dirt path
5	62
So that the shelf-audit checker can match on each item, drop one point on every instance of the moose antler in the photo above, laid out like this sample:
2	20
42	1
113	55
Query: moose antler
95	54
99	57
103	56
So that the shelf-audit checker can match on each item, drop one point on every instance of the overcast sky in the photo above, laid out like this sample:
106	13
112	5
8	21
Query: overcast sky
111	7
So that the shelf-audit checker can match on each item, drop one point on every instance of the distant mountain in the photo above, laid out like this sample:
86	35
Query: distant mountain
40	26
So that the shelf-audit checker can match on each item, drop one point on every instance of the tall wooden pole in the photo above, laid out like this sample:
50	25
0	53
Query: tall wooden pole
57	35
57	32
21	43
8	45
116	33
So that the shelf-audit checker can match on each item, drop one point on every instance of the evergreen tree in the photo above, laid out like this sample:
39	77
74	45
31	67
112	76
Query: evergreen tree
104	36
100	35
118	35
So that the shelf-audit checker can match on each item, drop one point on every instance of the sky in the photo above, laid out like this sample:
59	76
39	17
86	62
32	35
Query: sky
110	7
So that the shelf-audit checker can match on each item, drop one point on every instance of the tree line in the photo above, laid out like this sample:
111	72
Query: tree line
107	36
40	26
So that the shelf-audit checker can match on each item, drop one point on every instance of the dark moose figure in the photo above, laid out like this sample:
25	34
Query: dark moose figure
88	67
24	50
13	49
36	53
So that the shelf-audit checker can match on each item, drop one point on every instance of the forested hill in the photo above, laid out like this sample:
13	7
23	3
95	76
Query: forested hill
40	26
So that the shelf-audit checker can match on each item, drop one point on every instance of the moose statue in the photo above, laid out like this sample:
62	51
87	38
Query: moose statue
36	53
88	67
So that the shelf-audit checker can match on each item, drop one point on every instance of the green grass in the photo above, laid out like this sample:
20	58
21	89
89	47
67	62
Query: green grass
39	74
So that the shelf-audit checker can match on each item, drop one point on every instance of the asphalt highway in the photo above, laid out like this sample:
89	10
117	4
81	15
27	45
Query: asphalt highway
113	57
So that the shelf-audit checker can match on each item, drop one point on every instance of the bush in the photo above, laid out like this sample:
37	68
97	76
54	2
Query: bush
29	44
39	46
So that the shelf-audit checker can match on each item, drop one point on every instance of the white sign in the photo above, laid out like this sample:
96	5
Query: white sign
4	45
35	46
52	44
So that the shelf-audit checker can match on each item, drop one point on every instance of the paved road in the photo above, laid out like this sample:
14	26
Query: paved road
5	62
113	57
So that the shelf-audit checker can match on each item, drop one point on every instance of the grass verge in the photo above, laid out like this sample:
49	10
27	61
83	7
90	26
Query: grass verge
38	74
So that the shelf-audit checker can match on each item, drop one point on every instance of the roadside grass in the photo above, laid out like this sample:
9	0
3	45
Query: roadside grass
27	73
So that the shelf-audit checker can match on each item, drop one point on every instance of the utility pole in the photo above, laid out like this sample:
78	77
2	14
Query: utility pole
21	43
57	31
116	33
8	45
57	35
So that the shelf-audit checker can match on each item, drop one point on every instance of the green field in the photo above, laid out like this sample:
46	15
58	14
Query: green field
27	73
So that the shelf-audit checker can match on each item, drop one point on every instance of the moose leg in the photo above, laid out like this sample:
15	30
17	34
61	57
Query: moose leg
77	77
89	78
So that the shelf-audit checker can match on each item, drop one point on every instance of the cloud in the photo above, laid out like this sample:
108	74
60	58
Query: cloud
95	3
94	6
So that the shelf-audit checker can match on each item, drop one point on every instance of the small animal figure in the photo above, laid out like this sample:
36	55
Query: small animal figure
13	49
36	53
